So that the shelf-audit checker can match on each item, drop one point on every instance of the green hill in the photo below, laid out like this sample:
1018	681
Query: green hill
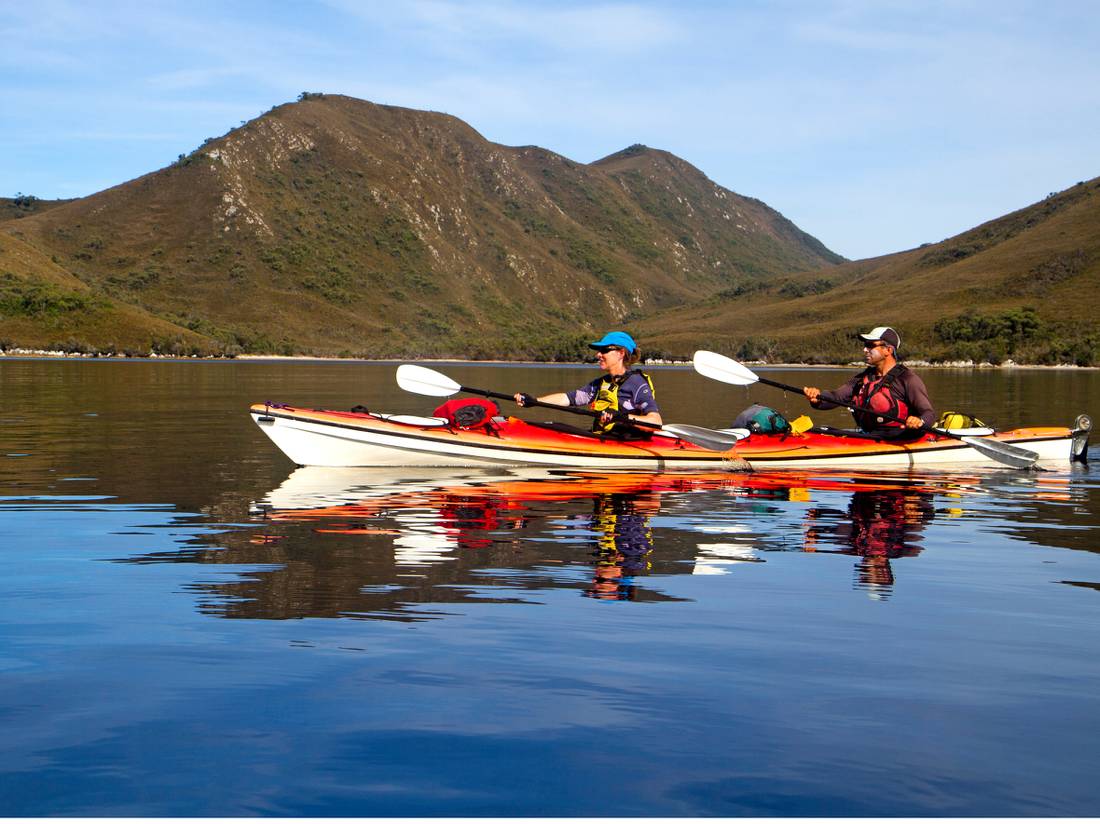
42	306
1016	287
335	226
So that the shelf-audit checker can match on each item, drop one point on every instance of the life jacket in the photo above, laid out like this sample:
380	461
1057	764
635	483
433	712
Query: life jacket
607	399
878	392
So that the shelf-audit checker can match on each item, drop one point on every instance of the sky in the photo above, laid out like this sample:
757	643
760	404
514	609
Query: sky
874	125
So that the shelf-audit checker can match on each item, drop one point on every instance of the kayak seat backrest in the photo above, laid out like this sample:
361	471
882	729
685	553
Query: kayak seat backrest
738	433
414	420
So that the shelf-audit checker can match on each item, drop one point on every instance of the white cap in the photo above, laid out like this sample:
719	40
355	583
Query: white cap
886	334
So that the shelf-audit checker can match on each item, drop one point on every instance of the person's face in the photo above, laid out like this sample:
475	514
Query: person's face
875	352
610	358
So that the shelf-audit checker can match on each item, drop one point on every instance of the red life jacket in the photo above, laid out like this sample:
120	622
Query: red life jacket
877	392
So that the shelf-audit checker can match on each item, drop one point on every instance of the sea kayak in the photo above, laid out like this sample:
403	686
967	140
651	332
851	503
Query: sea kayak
313	437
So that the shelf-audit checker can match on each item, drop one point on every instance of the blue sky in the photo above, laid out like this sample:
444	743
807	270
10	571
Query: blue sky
875	126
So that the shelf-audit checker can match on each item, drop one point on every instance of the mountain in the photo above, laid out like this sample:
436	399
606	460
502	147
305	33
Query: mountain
336	226
1015	287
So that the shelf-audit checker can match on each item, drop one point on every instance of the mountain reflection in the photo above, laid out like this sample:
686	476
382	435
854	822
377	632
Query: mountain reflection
404	544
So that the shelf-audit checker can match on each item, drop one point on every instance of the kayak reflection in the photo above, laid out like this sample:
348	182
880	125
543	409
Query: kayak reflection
402	544
445	517
442	517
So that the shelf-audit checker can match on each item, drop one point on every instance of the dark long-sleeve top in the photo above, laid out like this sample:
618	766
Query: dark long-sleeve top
906	383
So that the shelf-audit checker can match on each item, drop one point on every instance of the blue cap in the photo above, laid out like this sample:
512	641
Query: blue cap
615	339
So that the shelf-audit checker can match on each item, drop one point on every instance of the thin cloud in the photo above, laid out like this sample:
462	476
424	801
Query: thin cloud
621	28
190	79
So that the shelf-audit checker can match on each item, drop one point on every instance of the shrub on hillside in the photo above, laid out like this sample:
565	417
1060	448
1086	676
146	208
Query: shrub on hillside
1051	272
757	349
1064	347
1017	334
797	290
997	334
742	287
21	299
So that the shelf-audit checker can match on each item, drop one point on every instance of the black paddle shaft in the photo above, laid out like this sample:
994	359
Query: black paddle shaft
576	410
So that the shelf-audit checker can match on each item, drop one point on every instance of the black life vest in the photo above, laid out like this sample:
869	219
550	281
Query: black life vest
880	393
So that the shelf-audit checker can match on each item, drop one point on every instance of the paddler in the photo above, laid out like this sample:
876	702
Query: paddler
621	395
884	386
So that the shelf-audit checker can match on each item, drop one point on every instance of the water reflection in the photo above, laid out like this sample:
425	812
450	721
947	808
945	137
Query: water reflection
404	544
525	523
624	542
877	526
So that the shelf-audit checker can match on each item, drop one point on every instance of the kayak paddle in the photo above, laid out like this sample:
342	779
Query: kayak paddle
720	368
424	381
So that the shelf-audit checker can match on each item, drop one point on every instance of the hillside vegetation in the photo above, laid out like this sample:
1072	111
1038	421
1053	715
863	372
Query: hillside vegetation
43	306
334	226
1019	287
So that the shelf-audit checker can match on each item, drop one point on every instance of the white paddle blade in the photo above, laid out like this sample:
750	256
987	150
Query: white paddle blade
1006	453
424	381
720	368
707	438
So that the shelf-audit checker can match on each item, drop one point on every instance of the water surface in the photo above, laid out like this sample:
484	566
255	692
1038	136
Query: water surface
191	626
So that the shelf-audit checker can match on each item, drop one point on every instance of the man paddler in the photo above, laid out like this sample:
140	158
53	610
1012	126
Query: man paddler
885	386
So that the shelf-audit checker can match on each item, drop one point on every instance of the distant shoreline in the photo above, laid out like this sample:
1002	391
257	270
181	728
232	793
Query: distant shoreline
40	354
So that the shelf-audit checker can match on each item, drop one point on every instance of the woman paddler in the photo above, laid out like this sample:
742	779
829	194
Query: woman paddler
621	395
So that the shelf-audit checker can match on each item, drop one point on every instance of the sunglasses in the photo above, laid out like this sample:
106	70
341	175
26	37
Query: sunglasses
603	350
875	345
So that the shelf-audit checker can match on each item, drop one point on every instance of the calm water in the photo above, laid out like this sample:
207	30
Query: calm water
189	626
